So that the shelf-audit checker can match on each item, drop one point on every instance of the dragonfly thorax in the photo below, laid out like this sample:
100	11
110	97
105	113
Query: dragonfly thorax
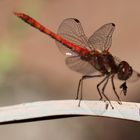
104	63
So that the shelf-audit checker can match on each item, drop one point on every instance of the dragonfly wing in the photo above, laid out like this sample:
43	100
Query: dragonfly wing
77	64
71	30
102	38
117	60
135	75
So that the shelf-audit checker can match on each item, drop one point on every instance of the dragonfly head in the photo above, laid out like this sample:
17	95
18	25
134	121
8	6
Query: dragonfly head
124	70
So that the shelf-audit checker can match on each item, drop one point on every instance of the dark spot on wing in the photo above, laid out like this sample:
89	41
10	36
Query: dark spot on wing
113	24
76	20
138	74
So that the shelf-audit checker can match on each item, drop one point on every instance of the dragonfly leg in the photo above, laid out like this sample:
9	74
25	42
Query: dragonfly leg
78	89
98	85
114	89
103	89
80	86
81	92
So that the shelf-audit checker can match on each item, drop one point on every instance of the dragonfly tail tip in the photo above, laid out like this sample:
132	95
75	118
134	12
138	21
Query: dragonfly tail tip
18	14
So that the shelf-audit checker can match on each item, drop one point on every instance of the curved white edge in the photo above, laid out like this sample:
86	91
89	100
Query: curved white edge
28	112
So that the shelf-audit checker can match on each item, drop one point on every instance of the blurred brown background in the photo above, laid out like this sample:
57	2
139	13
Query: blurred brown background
33	69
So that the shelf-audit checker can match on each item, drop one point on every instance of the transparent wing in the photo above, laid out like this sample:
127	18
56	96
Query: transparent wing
102	38
135	75
77	64
71	30
117	60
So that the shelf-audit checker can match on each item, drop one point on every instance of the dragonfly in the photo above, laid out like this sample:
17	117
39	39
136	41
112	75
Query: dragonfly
89	56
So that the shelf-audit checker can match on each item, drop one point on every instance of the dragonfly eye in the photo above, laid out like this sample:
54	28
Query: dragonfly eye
124	70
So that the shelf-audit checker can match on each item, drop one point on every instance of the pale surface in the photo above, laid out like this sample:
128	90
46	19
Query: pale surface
63	108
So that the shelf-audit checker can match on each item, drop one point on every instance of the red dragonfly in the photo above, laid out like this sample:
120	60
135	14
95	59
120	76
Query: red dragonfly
89	55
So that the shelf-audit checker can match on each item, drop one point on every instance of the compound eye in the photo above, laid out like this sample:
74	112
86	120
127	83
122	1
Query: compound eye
124	71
